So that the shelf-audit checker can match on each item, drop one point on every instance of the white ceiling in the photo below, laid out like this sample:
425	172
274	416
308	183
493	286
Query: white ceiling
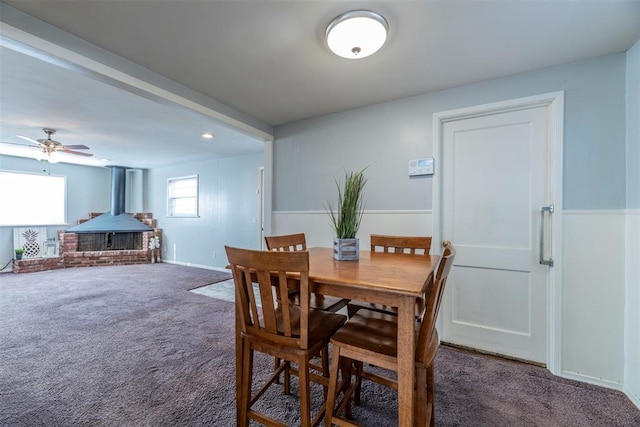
268	61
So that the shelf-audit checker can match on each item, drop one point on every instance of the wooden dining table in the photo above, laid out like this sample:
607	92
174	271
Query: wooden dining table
383	278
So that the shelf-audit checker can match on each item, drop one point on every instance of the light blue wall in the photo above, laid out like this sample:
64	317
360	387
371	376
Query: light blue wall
88	190
309	154
228	209
633	127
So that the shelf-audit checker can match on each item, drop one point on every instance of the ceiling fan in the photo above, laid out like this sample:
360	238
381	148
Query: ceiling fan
49	146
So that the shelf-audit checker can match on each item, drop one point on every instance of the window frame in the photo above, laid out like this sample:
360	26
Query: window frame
196	212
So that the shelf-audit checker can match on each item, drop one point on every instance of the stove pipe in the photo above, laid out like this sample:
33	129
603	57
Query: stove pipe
116	220
118	185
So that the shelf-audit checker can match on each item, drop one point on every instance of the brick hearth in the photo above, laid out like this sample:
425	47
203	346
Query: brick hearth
69	257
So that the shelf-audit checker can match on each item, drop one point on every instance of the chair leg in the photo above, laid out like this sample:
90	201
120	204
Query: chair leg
421	398
287	378
333	386
305	403
276	365
325	369
431	395
358	370
345	368
247	376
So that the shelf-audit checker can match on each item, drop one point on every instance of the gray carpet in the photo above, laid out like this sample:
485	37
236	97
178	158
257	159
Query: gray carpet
130	346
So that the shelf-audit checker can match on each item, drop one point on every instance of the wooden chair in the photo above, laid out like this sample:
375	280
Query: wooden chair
286	243
371	337
293	243
420	245
297	242
286	331
401	244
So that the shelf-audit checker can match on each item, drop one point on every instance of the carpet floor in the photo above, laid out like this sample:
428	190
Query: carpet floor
130	346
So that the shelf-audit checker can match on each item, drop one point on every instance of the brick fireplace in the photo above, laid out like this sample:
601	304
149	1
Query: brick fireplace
109	238
70	256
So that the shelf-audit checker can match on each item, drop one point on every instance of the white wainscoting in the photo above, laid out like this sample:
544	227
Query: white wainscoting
593	297
600	283
632	308
317	226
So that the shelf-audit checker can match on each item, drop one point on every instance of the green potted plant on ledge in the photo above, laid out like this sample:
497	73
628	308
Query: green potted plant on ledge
346	218
19	252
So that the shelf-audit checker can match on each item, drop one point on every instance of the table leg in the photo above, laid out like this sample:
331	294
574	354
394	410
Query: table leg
406	360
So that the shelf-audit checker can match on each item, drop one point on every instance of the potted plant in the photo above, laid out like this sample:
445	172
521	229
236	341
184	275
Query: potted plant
346	218
19	252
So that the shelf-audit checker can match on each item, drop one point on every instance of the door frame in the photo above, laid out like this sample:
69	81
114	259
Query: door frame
260	192
554	102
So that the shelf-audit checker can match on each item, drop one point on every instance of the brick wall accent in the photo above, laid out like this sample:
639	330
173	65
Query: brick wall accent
37	264
70	258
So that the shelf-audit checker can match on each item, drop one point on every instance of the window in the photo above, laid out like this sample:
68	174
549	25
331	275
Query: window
182	196
29	199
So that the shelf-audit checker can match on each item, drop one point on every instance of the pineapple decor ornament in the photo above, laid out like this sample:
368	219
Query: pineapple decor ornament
31	246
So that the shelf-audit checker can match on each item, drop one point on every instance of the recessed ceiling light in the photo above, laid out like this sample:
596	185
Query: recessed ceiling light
207	135
357	34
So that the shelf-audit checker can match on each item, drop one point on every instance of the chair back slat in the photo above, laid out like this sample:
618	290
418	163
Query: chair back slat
401	244
284	322
286	243
286	312
433	298
242	297
269	321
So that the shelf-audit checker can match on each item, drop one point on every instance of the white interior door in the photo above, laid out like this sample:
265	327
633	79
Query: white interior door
495	178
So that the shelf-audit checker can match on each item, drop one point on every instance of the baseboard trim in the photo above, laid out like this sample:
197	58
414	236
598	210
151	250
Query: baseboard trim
190	264
632	397
591	380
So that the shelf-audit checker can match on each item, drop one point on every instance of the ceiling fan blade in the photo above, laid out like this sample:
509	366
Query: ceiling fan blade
18	143
78	153
26	138
75	147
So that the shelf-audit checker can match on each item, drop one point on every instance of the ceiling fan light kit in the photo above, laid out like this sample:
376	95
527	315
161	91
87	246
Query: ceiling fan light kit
357	34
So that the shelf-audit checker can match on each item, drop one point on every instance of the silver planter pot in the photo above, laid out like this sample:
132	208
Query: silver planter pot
346	249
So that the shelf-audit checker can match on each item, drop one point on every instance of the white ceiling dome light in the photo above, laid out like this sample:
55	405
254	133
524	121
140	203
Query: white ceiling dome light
357	34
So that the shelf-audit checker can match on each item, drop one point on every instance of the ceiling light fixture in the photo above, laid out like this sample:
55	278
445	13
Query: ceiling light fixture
49	157
207	135
357	34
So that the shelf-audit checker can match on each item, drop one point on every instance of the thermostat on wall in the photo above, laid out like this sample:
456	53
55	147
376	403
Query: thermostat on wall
422	166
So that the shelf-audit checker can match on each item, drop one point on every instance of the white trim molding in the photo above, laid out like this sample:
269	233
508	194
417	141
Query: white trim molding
569	212
632	397
317	226
592	380
190	264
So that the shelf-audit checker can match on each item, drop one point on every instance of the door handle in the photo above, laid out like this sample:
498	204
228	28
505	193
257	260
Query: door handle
446	243
544	209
